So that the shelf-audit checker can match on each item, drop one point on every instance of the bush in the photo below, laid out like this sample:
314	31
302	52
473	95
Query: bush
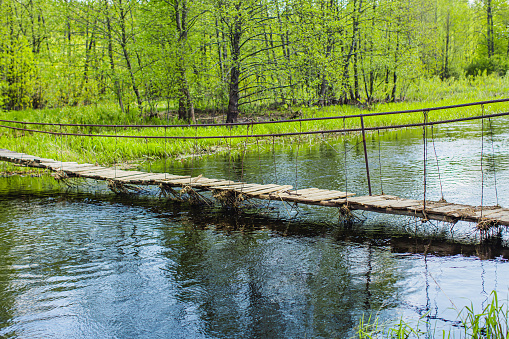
496	64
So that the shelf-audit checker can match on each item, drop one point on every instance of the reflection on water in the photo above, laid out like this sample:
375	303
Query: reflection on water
88	264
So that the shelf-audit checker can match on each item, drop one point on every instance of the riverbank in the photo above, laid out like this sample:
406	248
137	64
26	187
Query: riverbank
149	143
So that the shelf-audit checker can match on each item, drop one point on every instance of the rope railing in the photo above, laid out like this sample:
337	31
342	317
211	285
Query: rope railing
250	123
231	136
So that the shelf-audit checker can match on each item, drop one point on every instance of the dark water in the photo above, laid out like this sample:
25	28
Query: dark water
87	264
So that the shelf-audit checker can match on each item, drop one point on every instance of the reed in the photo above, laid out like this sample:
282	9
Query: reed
491	322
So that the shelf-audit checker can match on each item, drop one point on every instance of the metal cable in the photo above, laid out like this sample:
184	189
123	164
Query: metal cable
273	122
344	130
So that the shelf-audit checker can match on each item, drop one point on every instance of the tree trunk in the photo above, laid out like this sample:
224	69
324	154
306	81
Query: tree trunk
490	37
233	103
116	85
123	44
445	73
186	107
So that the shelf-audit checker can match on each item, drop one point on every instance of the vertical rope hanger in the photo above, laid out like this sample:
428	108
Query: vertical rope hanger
116	150
243	157
61	148
229	142
274	156
259	157
297	159
346	163
165	143
149	163
442	199
380	164
482	155
195	149
493	157
425	155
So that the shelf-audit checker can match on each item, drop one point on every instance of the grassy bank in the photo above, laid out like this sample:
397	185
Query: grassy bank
117	149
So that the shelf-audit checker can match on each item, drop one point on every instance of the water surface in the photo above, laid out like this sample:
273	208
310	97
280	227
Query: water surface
86	264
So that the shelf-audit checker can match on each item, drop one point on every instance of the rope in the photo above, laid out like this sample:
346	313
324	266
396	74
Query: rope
148	152
493	157
424	139
259	157
482	154
438	166
116	149
244	155
380	164
165	153
297	160
346	162
195	149
229	142
274	155
61	149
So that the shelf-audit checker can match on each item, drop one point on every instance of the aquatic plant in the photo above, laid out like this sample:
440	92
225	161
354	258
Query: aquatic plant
492	322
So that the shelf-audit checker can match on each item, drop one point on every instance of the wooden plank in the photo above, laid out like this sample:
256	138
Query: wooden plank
235	187
490	214
304	191
149	178
327	192
108	174
230	187
242	189
315	197
219	182
269	193
365	199
71	168
323	197
203	183
128	174
184	180
405	204
160	177
259	187
90	169
377	202
333	203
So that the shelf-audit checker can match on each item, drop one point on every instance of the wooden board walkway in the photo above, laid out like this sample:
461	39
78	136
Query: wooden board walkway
388	204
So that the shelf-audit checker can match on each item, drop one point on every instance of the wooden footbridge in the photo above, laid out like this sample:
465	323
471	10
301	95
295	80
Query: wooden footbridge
443	211
121	181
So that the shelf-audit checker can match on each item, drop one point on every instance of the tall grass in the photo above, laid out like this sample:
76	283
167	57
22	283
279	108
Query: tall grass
117	149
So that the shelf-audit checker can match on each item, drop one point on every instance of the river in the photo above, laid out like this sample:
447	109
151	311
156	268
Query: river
84	263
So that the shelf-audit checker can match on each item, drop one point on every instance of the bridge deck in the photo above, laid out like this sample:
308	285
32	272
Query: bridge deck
487	215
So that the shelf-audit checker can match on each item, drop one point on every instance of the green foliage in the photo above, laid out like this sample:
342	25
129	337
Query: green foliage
496	64
142	55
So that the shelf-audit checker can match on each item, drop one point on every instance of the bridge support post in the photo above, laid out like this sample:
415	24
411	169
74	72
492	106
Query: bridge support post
366	155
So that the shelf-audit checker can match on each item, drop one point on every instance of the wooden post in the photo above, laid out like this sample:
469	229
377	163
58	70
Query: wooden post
366	155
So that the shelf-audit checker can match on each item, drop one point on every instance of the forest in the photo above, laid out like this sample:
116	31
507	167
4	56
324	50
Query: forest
240	55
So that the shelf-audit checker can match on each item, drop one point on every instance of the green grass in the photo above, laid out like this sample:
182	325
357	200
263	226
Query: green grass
492	322
426	93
